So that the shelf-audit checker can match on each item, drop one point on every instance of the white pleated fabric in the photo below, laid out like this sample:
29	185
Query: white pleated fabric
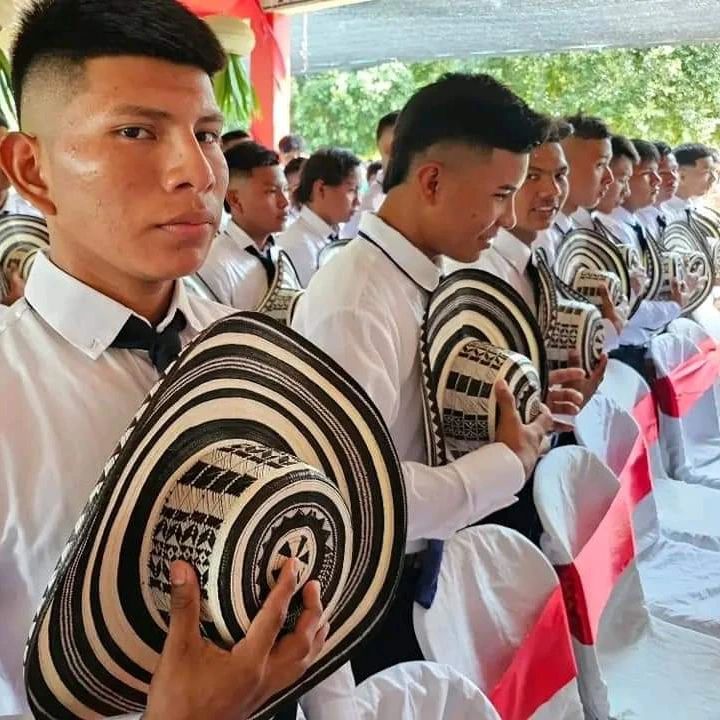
640	666
683	511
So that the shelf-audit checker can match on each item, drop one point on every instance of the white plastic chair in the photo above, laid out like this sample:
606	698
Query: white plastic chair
686	512
410	691
638	666
493	586
691	443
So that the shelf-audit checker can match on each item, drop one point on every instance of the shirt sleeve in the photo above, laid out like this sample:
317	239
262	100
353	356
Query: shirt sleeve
440	500
654	314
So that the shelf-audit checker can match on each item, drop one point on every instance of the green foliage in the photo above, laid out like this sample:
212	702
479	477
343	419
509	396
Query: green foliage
235	95
668	93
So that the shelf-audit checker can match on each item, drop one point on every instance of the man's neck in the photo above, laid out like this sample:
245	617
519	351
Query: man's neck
569	207
526	237
398	213
318	211
4	195
683	193
260	238
150	300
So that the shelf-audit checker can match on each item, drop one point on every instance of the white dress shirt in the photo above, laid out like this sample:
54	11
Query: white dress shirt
651	315
16	204
549	240
582	218
508	259
69	397
304	240
649	218
371	202
676	208
236	277
365	309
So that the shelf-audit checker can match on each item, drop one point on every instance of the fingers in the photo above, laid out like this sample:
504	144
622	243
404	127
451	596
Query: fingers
544	421
565	376
505	401
563	396
266	625
184	608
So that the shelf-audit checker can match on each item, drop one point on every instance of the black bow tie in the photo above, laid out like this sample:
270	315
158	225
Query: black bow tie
163	347
333	237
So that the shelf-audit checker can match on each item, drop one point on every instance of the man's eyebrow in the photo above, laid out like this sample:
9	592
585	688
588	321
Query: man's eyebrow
158	114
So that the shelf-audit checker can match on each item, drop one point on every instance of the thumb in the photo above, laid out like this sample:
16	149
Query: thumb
505	400
184	607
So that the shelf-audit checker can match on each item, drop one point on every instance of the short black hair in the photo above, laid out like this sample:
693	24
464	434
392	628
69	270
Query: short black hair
646	150
474	110
373	168
295	165
690	153
233	135
67	33
559	130
386	122
245	157
291	143
588	127
331	165
663	148
622	147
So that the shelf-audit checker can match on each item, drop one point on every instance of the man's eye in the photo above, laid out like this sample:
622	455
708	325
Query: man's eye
206	136
135	133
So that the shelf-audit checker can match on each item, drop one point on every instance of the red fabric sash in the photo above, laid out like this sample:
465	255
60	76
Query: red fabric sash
542	666
677	393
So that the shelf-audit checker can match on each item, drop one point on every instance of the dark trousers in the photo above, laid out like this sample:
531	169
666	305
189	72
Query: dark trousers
393	641
636	357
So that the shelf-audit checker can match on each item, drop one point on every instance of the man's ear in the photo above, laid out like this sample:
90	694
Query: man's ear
20	160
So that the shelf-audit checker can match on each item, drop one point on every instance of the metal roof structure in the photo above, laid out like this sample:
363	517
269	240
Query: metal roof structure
378	31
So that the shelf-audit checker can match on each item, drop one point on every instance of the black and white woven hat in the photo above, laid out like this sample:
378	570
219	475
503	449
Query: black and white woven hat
477	330
683	239
21	237
284	292
254	447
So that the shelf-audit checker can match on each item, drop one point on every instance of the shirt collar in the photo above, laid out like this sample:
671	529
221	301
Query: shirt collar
421	270
238	235
624	215
516	252
564	222
86	318
678	203
582	218
316	223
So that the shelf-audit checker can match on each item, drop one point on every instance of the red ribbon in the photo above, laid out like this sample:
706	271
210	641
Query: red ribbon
251	9
543	665
636	477
645	414
677	393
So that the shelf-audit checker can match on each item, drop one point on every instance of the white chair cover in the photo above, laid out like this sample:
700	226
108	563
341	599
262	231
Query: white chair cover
691	444
708	317
412	691
492	587
686	512
681	581
639	666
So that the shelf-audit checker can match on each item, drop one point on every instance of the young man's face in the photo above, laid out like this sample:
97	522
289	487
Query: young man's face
669	178
644	186
127	169
385	144
469	195
538	201
696	181
258	203
337	203
619	189
590	174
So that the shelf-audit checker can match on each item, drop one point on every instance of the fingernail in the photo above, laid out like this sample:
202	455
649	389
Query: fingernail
178	574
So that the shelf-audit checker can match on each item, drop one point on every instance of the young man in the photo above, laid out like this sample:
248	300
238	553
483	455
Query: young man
327	196
653	218
239	266
625	226
293	173
375	194
696	168
624	160
12	203
451	180
291	147
119	149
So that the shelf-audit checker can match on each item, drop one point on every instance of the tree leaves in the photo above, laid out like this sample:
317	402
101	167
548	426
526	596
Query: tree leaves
234	94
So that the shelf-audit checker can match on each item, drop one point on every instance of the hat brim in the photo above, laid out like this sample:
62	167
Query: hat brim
21	236
97	636
280	301
472	304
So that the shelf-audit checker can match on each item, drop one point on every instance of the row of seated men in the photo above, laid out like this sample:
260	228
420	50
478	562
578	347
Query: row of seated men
119	151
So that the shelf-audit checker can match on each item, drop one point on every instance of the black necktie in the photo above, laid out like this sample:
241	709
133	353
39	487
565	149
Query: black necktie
534	274
163	347
333	237
662	222
637	227
264	258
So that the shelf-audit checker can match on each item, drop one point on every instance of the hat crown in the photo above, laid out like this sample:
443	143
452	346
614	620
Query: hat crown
215	518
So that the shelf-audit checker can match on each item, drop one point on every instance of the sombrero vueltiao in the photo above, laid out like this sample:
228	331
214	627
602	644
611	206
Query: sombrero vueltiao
706	222
585	252
21	237
284	292
567	325
330	250
477	330
252	448
682	238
